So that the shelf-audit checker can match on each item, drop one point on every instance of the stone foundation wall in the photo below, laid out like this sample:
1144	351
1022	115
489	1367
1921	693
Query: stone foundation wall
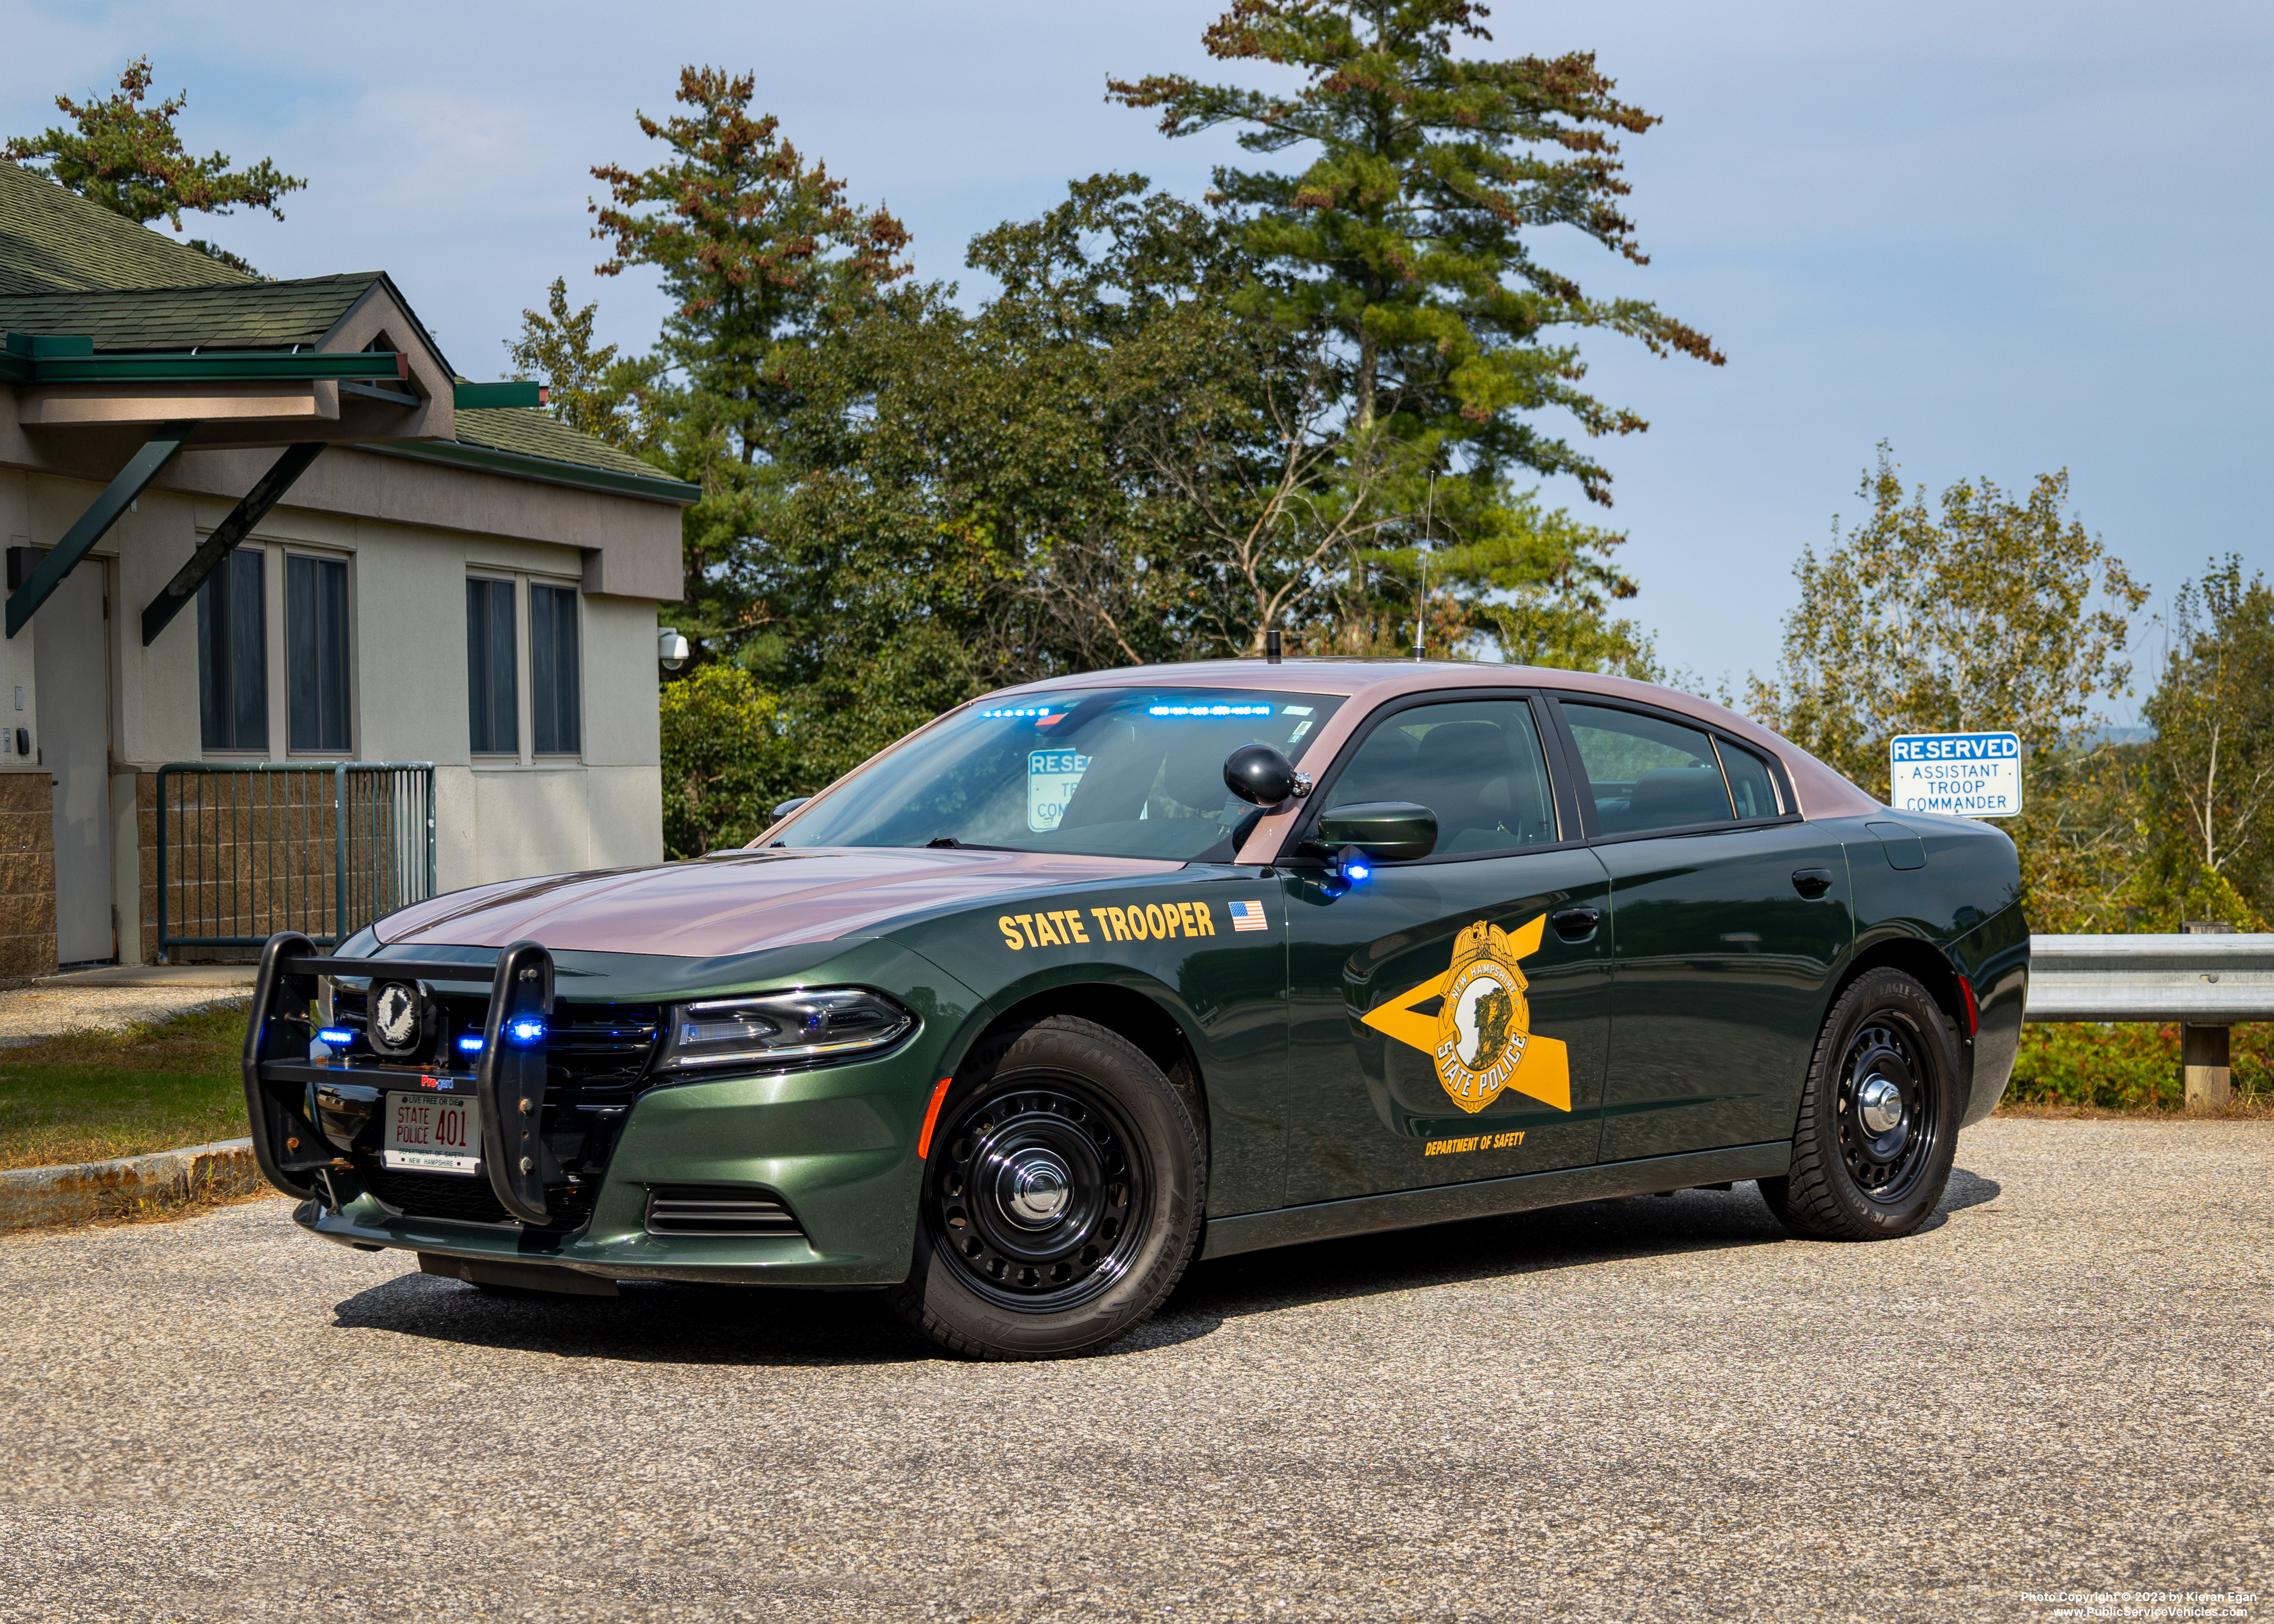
28	874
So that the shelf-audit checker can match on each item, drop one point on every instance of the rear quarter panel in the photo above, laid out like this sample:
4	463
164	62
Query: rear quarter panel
1966	903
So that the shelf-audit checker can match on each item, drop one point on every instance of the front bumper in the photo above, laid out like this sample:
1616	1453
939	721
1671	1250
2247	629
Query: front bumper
836	1146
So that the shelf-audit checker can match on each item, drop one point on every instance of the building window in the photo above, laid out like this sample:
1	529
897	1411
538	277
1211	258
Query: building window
492	699
233	654
552	670
316	653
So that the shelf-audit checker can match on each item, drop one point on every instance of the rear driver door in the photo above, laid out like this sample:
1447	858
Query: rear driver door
1730	913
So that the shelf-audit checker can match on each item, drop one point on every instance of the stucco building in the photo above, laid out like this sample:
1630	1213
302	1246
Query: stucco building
257	530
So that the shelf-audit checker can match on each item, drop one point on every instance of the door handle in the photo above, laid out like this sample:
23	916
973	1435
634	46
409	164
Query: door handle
1811	882
1575	924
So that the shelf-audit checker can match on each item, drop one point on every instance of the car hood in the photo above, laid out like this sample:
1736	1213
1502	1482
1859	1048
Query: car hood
740	904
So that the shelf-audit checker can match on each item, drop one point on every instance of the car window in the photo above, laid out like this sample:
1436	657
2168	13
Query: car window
1749	783
1105	772
1475	762
1645	773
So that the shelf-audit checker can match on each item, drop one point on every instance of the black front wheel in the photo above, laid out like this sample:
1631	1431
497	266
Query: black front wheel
1879	1118
1062	1197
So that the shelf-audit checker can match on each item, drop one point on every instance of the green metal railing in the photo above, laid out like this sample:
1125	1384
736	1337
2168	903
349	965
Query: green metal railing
245	852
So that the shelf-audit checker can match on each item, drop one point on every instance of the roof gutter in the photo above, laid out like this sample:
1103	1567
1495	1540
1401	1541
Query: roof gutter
52	359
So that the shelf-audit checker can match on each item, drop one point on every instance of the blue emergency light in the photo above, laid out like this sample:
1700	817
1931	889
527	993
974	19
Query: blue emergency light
471	1044
525	1029
338	1037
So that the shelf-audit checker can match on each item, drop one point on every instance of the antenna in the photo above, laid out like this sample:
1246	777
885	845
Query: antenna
1428	524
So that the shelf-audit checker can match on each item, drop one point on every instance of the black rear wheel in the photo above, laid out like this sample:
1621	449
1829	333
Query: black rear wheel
1062	1197
1879	1118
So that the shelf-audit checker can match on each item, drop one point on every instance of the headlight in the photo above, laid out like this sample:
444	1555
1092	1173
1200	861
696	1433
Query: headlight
827	1023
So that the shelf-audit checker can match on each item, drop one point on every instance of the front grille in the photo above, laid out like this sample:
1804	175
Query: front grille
435	1195
600	1047
587	1045
461	1199
681	1209
596	1059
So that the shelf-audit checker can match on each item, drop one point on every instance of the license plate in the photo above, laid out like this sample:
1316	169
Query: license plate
434	1132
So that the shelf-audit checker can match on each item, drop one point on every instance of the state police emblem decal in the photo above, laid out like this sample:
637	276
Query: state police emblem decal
1485	1023
1480	1037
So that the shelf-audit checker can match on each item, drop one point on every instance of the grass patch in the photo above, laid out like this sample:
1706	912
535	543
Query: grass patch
89	1096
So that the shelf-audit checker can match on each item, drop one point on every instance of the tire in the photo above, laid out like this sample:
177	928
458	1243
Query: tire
1879	1118
1062	1199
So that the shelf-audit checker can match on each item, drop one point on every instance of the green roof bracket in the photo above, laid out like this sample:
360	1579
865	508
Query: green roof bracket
265	494
144	466
467	394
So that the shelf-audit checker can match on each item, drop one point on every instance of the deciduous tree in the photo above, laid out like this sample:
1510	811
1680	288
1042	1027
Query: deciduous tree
724	762
2213	755
1986	613
592	388
1989	613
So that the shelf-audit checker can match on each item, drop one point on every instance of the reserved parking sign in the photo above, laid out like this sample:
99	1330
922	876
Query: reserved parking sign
1972	775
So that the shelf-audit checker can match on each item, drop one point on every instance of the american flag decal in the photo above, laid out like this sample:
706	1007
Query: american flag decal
1248	916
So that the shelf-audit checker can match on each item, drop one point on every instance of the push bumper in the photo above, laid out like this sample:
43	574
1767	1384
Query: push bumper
836	1146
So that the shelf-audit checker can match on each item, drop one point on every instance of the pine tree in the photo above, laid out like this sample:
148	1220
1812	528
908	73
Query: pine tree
130	159
761	255
1408	234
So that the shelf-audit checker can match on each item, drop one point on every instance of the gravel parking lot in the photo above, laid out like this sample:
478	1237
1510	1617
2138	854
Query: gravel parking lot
1652	1409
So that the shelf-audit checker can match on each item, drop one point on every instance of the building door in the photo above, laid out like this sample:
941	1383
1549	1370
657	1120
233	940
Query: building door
71	667
1450	1015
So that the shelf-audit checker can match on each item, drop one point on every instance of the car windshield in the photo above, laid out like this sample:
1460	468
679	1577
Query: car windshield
1105	772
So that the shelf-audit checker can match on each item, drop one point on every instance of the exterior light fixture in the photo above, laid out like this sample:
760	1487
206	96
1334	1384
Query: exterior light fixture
670	648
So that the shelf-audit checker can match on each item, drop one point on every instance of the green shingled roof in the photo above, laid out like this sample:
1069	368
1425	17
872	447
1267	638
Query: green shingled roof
52	241
537	434
68	266
247	315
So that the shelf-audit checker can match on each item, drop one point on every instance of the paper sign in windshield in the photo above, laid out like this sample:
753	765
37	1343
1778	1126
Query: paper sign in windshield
1968	775
1051	775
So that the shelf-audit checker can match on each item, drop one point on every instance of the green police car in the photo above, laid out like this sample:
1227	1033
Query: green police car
1085	980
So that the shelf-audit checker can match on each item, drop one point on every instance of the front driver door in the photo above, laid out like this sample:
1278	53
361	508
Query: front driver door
1443	1027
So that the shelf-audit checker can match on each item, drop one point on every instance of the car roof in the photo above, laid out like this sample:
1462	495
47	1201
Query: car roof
1821	792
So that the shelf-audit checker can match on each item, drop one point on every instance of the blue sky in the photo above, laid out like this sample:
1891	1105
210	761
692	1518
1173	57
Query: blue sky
2006	238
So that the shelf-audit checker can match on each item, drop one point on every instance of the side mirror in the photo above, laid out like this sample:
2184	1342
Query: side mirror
788	807
1388	831
1263	777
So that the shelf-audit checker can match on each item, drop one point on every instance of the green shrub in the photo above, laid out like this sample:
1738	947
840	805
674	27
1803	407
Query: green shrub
2126	1066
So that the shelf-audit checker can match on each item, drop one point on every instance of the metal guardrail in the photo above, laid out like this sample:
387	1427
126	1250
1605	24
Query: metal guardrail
2199	980
246	851
2205	980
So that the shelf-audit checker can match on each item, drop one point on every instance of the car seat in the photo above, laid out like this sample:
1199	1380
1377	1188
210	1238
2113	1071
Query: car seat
1670	797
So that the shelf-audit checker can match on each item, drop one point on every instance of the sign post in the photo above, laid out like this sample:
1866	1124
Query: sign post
1968	775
